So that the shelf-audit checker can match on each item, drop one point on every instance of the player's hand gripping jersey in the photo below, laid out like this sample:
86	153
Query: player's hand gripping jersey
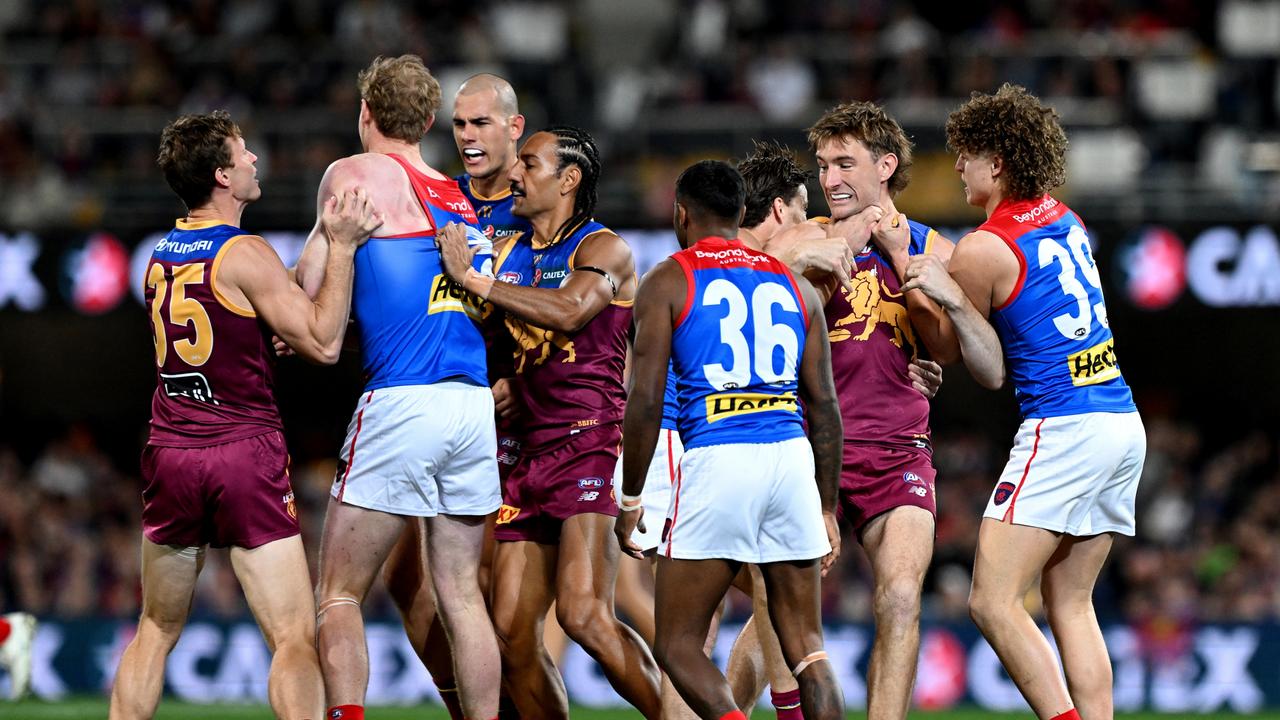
418	327
1057	340
737	346
215	367
872	344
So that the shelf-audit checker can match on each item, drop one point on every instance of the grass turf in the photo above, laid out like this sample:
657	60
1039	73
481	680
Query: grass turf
173	710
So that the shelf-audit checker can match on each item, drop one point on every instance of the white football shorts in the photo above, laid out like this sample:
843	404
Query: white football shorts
421	450
754	503
1074	474
656	497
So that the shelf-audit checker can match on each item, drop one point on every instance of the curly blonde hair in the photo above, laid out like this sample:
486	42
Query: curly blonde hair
402	96
870	125
1026	135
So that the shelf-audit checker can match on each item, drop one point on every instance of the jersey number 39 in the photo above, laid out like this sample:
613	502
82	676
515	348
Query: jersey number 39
1078	325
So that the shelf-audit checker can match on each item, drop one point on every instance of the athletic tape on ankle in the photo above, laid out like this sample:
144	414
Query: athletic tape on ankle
334	602
808	660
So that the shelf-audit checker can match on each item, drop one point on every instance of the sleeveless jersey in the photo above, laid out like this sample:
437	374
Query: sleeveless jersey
1057	340
872	343
494	215
215	365
670	402
417	326
737	346
567	382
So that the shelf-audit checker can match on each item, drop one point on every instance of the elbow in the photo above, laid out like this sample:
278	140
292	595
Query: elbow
321	354
949	355
993	381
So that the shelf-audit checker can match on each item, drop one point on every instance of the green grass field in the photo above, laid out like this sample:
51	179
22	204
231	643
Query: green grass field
172	710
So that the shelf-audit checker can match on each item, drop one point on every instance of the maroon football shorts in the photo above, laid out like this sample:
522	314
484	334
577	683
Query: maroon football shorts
237	493
879	478
547	487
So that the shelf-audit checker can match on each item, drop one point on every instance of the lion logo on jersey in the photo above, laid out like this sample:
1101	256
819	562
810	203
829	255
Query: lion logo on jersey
868	308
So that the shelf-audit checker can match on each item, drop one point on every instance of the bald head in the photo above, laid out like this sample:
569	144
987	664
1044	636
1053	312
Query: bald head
503	94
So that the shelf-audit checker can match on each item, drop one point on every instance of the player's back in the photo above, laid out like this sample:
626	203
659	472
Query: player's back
737	346
418	327
1054	327
872	345
214	360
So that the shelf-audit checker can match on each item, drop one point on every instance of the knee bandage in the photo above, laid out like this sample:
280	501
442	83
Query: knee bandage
808	660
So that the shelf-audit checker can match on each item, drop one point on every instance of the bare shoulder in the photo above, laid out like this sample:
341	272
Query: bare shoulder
603	247
981	244
369	170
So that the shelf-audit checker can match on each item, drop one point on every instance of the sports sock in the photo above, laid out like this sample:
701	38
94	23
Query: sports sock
345	712
5	627
787	704
733	715
452	703
1068	715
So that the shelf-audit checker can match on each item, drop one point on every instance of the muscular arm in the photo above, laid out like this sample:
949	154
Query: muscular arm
927	318
314	329
964	291
309	272
564	309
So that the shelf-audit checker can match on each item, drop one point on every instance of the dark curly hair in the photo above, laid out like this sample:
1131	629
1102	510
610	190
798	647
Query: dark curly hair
1014	125
192	148
771	171
870	125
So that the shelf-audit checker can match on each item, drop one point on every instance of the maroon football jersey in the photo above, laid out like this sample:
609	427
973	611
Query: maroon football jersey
215	364
872	343
567	383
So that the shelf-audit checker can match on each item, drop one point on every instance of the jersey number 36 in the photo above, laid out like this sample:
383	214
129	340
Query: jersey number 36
766	336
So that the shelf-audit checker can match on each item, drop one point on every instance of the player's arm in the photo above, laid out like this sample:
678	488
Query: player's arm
309	272
963	289
564	309
808	250
893	236
650	355
314	329
822	409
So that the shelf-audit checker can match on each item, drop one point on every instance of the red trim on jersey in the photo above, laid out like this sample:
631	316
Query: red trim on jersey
683	261
1035	447
1022	274
351	454
675	512
443	194
804	309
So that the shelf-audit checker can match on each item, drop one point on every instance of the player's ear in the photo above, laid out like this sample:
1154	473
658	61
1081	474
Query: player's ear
742	213
570	180
887	165
997	166
517	126
222	177
431	120
777	209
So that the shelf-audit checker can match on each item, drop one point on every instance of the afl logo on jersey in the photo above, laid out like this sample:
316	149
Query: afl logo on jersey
1003	491
510	276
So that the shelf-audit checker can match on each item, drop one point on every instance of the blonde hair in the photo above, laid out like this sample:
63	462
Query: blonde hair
402	96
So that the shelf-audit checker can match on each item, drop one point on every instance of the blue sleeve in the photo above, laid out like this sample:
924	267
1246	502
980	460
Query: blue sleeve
920	238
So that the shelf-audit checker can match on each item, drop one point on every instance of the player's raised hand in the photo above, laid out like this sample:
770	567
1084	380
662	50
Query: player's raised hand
625	525
892	234
926	376
833	537
856	230
927	274
455	253
806	246
351	218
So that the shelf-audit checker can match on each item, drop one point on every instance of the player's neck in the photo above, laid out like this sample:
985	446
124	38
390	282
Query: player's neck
547	224
495	183
993	202
755	237
225	209
722	230
407	150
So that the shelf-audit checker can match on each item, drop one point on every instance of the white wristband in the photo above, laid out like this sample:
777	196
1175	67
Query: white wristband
630	502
